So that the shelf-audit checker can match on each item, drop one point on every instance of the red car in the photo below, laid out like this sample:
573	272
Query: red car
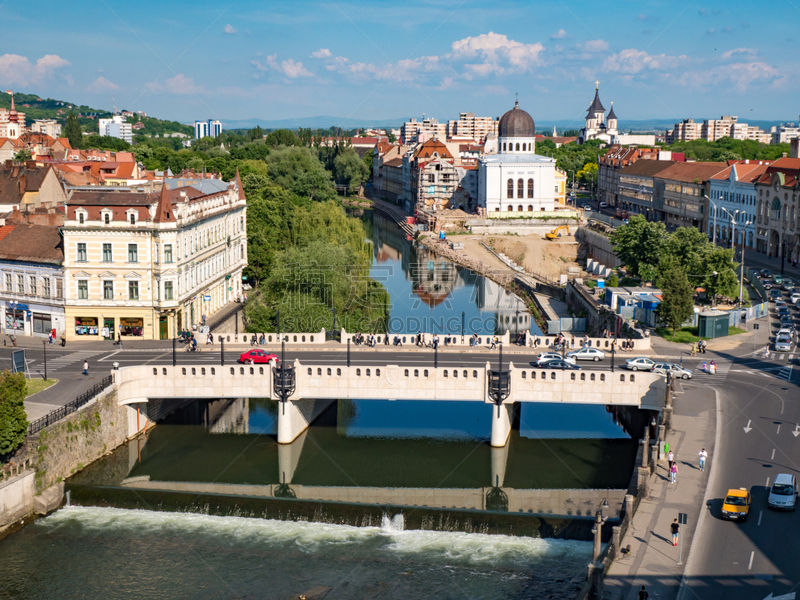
258	356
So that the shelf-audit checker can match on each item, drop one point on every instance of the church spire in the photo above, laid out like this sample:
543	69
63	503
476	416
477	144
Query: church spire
611	114
597	106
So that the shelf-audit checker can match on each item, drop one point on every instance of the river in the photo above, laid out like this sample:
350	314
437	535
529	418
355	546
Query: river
377	499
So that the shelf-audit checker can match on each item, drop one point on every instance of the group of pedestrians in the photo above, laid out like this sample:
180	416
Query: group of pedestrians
673	478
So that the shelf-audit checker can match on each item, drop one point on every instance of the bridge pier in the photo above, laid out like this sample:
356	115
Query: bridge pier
294	417
501	423
289	457
499	462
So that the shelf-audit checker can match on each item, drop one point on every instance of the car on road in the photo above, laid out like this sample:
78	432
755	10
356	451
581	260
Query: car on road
783	493
258	356
767	285
787	284
736	505
780	302
787	321
676	371
587	207
795	297
558	363
783	309
775	295
783	342
548	356
639	364
764	273
604	205
587	353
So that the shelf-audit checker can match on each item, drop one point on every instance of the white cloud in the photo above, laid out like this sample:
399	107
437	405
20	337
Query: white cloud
559	35
101	84
595	46
180	85
18	70
321	53
750	51
741	75
633	61
229	29
498	53
289	68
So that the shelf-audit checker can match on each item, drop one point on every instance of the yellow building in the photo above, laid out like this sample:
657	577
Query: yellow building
144	266
561	186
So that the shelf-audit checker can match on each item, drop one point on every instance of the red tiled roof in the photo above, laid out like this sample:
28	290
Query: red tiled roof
5	230
689	172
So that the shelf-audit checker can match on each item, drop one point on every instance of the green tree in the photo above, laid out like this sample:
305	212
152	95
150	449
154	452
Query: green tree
688	247
72	131
281	137
391	137
588	173
23	155
13	420
639	245
350	170
677	303
300	172
719	273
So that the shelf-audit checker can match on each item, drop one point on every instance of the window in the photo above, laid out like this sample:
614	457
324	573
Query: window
9	285
80	218
133	290
133	253
32	283
20	284
46	285
156	254
168	290
520	189
83	289
167	253
530	188
510	188
133	219
108	290
107	219
107	255
82	252
59	288
517	146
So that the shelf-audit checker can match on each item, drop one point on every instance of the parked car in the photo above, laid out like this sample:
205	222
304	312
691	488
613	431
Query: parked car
587	353
787	321
783	309
736	505
258	356
676	371
558	363
548	356
639	364
604	205
783	493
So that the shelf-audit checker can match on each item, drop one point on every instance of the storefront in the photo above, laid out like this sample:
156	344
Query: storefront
86	326
131	327
32	319
15	317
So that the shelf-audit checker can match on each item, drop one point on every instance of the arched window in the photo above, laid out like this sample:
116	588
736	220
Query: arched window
519	208
530	208
517	145
510	188
530	188
504	146
750	239
520	189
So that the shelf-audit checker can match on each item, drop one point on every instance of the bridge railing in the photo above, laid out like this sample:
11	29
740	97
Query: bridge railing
69	407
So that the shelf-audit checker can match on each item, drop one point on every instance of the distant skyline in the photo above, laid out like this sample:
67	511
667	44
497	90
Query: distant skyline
372	60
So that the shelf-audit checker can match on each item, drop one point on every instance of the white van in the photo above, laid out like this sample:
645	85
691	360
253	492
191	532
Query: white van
783	493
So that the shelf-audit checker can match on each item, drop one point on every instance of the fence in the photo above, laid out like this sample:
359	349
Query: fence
70	407
566	324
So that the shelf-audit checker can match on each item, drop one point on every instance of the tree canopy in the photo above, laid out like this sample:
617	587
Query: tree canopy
13	419
639	246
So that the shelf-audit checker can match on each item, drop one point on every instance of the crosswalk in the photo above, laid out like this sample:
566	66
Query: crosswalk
719	376
72	359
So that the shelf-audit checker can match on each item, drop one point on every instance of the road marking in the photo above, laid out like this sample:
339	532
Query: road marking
773	454
752	554
760	514
779	429
109	356
796	431
747	428
767	482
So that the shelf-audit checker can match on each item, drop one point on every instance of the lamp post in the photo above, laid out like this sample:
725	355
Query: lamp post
599	519
733	228
783	254
714	294
741	267
714	229
44	349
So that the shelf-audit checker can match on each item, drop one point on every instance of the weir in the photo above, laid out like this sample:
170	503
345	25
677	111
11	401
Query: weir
313	388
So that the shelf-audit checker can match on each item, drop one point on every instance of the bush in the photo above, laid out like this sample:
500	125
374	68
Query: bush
13	419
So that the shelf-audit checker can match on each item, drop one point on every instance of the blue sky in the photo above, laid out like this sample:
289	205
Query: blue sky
375	59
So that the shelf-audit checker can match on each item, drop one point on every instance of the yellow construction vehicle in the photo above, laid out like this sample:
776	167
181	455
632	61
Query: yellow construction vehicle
554	235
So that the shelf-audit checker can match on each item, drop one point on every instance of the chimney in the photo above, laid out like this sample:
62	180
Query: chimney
22	182
30	164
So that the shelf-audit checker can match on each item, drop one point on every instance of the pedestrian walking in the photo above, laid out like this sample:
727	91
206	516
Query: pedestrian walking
766	351
703	457
535	341
694	350
643	595
676	531
670	460
673	473
494	343
86	367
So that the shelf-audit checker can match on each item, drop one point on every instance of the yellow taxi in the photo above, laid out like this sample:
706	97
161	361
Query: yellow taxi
736	505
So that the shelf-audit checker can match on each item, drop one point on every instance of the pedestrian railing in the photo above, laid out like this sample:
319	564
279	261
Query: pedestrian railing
70	407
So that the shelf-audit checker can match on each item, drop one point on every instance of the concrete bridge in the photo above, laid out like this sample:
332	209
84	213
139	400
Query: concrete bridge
317	386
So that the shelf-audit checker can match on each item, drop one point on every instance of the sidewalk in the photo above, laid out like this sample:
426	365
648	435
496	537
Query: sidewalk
653	561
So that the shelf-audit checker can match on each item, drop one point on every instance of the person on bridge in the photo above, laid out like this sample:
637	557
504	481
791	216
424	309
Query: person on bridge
643	595
435	341
703	457
473	341
194	343
494	343
386	339
397	340
673	472
535	341
210	338
676	531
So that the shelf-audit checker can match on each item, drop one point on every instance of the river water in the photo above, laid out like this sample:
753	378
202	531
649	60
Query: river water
376	500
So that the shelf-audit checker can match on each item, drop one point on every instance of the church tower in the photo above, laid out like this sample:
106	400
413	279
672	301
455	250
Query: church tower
612	121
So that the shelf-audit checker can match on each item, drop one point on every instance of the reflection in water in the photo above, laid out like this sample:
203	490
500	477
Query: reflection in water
429	293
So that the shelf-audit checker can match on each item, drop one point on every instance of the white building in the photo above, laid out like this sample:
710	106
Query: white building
214	128
12	123
116	127
733	194
47	126
470	126
784	134
210	128
598	127
422	131
516	179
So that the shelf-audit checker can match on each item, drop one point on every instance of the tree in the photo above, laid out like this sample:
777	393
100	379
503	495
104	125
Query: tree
720	274
281	137
13	420
299	171
23	155
677	303
72	131
639	246
391	137
349	170
588	173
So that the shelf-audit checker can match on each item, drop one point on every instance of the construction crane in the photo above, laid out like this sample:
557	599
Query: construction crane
554	235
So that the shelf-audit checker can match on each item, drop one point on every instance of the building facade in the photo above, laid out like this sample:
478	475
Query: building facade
516	179
145	266
421	131
712	130
47	126
778	210
734	191
32	280
600	127
470	126
680	193
12	123
609	165
635	187
116	127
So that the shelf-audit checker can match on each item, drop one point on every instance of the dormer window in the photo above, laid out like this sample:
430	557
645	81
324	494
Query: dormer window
80	218
133	219
107	219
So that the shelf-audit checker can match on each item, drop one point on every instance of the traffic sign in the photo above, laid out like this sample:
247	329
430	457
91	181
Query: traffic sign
207	298
682	518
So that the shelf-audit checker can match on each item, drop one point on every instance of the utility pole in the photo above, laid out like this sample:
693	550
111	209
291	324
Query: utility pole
44	348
